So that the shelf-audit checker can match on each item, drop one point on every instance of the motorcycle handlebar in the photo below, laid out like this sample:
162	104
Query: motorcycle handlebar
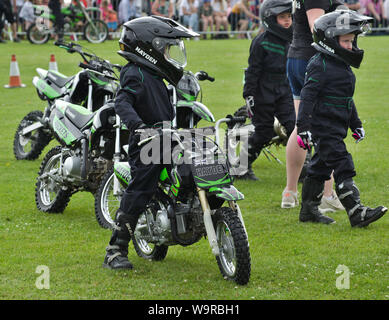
202	75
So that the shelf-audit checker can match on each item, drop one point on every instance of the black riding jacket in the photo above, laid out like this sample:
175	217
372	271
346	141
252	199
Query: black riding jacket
327	107
143	98
266	68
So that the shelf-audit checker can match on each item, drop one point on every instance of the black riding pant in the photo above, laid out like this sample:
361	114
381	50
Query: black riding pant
144	179
274	100
331	155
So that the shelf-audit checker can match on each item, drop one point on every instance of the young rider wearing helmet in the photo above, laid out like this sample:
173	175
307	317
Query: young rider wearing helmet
266	89
155	51
326	112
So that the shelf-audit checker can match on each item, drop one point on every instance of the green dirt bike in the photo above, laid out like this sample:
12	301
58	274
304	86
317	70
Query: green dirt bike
89	141
88	88
186	98
188	204
75	17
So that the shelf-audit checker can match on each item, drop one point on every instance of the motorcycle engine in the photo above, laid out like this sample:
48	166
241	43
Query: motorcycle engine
72	168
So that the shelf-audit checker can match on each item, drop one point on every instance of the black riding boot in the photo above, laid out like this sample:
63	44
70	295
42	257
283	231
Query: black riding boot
358	214
310	200
117	250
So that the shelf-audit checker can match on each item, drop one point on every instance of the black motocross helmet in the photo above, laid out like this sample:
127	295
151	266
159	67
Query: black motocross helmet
156	43
329	27
270	9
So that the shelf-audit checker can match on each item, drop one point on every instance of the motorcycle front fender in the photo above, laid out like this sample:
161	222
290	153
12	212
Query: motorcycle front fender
228	193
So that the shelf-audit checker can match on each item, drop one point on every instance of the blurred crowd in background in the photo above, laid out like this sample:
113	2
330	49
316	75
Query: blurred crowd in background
213	19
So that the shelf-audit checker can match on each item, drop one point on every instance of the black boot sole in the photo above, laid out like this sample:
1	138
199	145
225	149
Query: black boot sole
372	219
107	266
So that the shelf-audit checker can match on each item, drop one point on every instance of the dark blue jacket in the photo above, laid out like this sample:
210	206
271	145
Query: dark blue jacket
327	107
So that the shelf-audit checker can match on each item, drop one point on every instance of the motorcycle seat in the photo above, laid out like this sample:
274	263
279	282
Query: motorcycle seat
81	119
58	79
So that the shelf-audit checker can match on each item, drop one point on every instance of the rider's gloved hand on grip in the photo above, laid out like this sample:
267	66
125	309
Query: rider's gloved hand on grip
304	140
358	134
250	106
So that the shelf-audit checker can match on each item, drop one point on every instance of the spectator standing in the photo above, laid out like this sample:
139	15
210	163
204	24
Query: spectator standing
27	14
353	4
55	7
109	15
375	9
188	11
164	8
9	11
239	15
220	15
128	10
206	16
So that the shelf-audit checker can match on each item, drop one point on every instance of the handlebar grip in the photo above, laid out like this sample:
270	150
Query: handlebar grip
234	120
85	66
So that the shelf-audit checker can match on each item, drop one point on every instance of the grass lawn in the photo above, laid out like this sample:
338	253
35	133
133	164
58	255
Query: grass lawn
290	260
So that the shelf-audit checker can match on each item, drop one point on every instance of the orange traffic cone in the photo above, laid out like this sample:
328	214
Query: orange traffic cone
53	64
14	75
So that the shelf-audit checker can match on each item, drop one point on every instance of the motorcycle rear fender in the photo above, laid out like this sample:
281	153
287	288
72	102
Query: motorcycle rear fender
228	193
42	72
45	89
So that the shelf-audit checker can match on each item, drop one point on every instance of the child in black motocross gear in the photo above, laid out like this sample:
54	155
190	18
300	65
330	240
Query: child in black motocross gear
327	110
266	89
143	102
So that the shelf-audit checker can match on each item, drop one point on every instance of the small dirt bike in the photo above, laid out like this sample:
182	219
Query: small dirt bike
236	138
89	140
87	87
189	205
75	16
189	111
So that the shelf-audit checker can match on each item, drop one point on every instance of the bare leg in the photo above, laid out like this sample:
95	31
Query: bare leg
295	157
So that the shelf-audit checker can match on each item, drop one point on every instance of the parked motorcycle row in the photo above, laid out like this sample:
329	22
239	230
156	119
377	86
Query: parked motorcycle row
92	156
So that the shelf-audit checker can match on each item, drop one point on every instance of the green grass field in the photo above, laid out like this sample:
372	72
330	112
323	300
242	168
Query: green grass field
290	260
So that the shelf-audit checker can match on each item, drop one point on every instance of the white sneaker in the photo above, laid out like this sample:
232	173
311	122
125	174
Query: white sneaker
289	199
331	204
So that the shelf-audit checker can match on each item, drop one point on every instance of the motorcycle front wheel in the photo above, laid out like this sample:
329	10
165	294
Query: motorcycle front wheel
36	36
30	146
50	196
106	203
143	248
96	31
234	259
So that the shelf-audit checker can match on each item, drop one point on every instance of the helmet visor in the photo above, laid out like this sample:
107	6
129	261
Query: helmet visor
175	53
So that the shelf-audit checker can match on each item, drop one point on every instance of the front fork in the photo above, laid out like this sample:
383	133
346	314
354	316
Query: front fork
211	234
117	157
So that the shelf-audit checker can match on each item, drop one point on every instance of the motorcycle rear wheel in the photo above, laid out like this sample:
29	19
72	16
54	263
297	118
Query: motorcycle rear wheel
50	197
98	35
35	36
106	203
30	146
234	259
